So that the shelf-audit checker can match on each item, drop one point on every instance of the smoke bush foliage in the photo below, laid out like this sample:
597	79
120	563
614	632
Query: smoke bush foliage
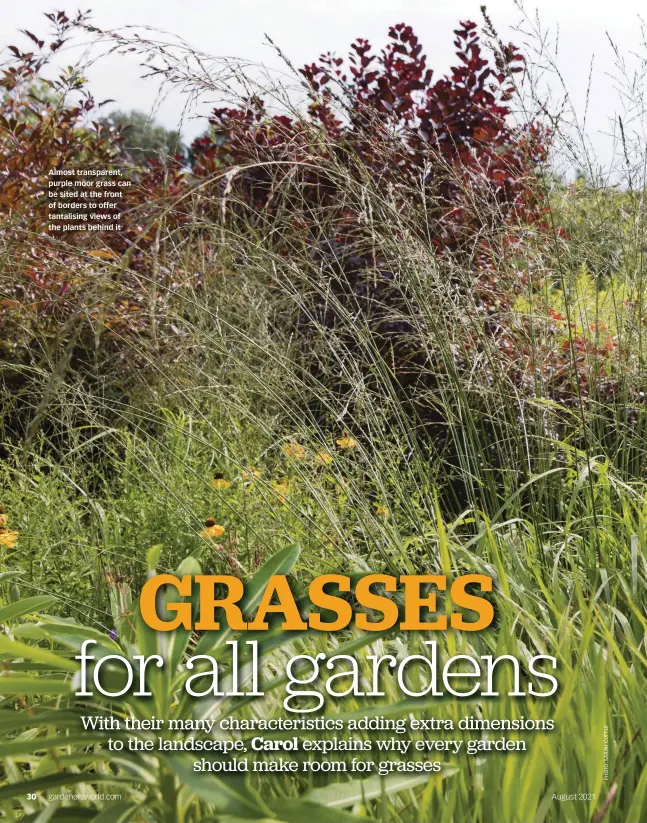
389	162
411	135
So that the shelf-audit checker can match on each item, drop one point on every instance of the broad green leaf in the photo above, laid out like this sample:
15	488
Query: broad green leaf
13	685
45	743
35	717
280	563
289	810
153	555
27	606
341	795
120	813
189	566
69	814
638	801
71	635
10	575
228	793
21	650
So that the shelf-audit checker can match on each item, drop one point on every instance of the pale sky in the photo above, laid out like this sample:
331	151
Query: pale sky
305	28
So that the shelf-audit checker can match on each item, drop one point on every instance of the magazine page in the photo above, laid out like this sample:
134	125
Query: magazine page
323	434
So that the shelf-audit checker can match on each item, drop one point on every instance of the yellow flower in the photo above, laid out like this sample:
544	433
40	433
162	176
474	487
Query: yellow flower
280	487
381	511
293	449
8	538
212	529
4	519
251	473
347	443
219	482
323	458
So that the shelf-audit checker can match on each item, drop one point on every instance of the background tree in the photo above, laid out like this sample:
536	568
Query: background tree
143	138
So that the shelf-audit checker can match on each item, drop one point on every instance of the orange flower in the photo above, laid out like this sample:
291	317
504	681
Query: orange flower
293	449
219	481
381	511
8	538
4	519
347	443
212	529
280	487
250	474
323	458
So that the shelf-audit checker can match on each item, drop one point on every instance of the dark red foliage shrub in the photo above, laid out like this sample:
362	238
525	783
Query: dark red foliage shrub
397	123
48	123
443	153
